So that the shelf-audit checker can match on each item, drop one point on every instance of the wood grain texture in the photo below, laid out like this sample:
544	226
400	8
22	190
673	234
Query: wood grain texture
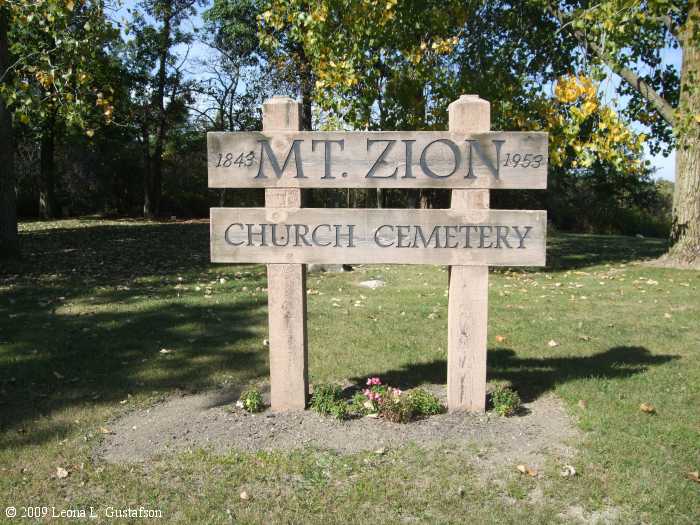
286	284
403	236
415	159
467	313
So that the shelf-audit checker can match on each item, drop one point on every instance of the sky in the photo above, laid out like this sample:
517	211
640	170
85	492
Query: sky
664	166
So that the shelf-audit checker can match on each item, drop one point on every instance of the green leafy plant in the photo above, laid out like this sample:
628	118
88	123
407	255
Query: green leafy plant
327	399
424	403
506	402
396	406
393	404
251	401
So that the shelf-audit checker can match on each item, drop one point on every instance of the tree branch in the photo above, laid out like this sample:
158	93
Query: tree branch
660	104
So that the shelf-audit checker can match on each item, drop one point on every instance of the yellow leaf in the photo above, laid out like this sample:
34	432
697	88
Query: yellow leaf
694	476
70	5
647	408
524	469
90	133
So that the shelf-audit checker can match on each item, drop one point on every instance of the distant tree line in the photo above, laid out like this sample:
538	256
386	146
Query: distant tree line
105	111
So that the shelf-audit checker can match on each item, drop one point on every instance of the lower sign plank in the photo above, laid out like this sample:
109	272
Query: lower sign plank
308	235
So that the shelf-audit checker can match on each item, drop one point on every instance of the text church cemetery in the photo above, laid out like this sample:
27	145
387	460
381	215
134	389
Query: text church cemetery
469	159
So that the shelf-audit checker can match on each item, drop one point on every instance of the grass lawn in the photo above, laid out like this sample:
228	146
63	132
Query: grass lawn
84	316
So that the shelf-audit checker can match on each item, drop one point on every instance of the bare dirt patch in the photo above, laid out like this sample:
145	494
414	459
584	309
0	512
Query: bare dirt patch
208	420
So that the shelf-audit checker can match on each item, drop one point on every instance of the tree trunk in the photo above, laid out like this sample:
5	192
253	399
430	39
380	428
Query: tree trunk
147	202
154	184
685	228
47	182
306	88
9	240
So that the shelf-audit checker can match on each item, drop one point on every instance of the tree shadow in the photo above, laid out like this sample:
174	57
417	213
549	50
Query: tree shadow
571	251
110	253
532	376
86	312
104	358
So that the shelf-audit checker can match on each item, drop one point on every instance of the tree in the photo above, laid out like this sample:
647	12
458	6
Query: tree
627	37
56	48
9	243
238	78
161	92
48	51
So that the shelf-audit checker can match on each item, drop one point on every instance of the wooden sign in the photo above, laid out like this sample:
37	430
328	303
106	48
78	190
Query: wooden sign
469	159
402	236
381	159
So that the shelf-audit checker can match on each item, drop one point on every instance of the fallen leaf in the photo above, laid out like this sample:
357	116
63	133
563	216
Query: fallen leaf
552	343
166	351
582	403
500	338
647	408
568	471
667	315
104	430
61	473
524	469
244	495
694	476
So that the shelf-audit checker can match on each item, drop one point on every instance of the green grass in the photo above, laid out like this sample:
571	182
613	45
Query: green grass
84	315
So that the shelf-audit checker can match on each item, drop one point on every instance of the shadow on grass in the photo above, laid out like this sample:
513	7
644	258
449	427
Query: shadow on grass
569	251
86	311
109	253
103	358
532	377
53	359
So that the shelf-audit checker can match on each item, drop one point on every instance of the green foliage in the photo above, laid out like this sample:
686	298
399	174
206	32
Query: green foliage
393	404
252	401
397	408
59	49
327	399
505	401
424	403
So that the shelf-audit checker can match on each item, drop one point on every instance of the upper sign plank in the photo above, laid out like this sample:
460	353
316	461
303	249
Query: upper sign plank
377	159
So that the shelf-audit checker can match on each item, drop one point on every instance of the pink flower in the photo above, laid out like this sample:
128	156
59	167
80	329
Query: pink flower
374	381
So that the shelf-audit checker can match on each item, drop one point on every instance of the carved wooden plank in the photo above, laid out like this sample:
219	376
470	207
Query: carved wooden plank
286	284
310	235
380	159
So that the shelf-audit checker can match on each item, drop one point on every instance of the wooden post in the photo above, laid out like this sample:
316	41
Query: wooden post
469	285
286	287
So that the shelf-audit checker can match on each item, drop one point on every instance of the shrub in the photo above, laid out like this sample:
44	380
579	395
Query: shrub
251	401
424	403
396	406
506	402
327	399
